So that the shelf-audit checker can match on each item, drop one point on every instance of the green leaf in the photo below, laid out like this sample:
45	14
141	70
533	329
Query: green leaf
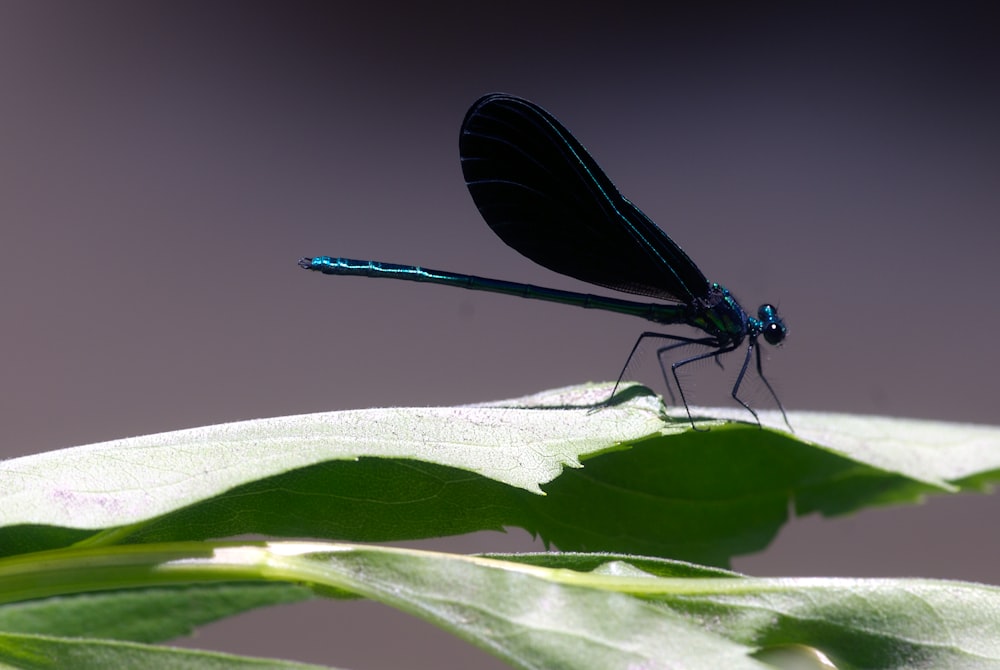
40	652
143	614
625	477
541	611
593	611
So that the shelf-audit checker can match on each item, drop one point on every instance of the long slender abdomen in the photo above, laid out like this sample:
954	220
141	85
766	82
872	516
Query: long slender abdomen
660	313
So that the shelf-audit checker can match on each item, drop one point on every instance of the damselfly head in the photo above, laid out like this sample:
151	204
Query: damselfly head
771	326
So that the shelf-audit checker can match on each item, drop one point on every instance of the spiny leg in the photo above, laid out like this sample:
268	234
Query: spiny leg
760	373
739	379
680	342
679	364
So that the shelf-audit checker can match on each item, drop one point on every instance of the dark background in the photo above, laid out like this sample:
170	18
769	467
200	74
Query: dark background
163	166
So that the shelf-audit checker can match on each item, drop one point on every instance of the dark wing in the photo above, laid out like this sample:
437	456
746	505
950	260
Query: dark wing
542	193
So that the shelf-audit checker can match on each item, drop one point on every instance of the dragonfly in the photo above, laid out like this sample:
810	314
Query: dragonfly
542	193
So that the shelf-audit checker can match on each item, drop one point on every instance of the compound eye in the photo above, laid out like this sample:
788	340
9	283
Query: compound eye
767	312
773	333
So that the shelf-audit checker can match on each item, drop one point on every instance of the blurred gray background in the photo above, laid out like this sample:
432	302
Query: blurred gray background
164	165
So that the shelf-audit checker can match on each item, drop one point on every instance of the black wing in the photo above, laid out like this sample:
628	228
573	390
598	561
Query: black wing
542	193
